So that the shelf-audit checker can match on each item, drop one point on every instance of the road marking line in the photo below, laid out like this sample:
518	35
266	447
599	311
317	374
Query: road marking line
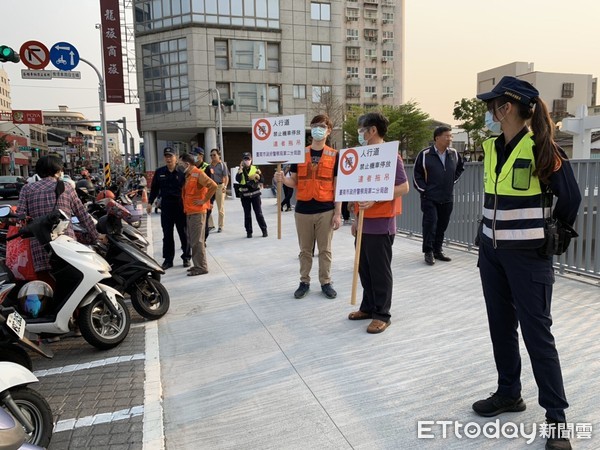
153	428
88	365
88	421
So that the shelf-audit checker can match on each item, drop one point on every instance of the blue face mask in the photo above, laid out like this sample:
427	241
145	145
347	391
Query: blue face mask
491	124
361	139
318	133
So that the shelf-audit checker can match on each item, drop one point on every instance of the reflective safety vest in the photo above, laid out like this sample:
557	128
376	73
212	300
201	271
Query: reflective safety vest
389	208
513	216
192	191
316	182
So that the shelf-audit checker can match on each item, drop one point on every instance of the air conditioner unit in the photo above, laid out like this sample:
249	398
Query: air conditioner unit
374	77
373	95
384	59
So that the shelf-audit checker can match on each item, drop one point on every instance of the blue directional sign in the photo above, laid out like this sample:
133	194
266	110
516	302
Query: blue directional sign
64	56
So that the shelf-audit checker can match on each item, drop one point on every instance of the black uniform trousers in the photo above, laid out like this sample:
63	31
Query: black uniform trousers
172	216
287	197
255	203
375	271
436	217
517	285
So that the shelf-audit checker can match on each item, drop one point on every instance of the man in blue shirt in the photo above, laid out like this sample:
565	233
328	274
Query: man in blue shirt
167	183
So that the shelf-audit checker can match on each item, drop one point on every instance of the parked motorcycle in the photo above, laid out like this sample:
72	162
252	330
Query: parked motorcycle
25	406
102	315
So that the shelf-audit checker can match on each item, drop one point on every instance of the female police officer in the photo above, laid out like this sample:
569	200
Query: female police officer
520	166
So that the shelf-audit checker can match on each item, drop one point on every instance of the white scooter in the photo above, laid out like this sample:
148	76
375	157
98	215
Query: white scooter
30	411
100	311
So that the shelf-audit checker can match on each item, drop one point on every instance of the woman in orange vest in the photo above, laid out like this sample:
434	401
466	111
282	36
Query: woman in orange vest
317	215
379	230
197	192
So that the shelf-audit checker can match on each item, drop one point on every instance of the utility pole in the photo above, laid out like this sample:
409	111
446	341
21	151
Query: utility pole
125	142
219	124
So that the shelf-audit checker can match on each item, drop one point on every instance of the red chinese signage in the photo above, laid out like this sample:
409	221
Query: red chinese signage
27	116
113	52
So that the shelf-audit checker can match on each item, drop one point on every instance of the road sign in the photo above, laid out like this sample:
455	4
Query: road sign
278	140
34	55
64	56
49	74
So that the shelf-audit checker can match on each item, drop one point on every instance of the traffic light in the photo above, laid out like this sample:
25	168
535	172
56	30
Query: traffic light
94	128
226	102
7	54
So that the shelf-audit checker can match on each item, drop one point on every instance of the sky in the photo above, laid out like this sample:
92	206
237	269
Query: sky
446	45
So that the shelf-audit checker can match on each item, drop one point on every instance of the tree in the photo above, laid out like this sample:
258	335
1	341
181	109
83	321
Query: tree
408	125
4	145
329	104
472	114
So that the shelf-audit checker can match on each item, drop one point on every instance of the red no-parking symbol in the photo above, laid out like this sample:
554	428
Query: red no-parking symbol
349	161
34	55
262	129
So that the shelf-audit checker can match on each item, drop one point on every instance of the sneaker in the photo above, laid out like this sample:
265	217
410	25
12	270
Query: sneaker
248	235
441	257
167	265
219	230
302	290
498	404
328	290
265	234
429	259
186	263
555	440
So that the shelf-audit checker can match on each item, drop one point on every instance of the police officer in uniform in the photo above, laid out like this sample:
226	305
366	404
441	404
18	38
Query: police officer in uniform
250	179
521	168
167	183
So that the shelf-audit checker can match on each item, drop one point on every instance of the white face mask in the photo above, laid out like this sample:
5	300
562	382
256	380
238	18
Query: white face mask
361	139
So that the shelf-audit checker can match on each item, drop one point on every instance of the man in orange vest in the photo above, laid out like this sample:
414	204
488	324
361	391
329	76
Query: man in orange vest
379	230
197	192
317	215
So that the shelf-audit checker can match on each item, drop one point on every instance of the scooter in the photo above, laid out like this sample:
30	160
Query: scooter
133	271
102	316
25	406
14	339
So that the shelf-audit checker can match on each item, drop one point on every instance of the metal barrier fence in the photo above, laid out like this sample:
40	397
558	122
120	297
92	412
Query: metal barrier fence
582	255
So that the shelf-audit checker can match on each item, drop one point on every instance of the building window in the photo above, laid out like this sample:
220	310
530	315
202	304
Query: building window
371	53
256	55
388	91
352	91
351	72
371	15
299	91
157	14
255	97
351	14
568	90
351	35
353	53
388	36
388	55
224	93
166	76
559	106
321	53
221	55
388	17
273	100
388	72
370	90
370	72
320	94
320	11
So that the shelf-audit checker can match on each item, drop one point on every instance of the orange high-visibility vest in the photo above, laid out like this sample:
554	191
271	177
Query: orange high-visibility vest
193	191
317	182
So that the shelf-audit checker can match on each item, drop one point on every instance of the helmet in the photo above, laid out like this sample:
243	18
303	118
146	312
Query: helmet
85	190
105	194
121	180
34	298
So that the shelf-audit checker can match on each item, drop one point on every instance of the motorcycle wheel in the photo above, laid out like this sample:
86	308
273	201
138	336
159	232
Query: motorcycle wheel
98	326
149	298
15	354
36	409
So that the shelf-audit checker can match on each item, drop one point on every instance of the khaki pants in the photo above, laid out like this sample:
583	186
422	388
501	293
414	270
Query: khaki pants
311	228
220	201
195	229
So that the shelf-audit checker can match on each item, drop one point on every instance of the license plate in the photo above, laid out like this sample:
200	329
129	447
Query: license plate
16	323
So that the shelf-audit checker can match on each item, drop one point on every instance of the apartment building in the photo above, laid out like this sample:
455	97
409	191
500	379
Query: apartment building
270	57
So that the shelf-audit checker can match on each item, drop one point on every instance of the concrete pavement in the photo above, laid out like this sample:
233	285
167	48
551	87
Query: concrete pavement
244	365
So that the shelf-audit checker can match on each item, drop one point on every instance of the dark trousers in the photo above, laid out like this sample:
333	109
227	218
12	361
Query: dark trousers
375	271
206	227
287	197
345	211
254	203
172	216
436	217
517	285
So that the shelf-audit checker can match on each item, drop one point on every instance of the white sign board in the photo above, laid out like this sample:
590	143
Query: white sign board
278	140
49	74
367	173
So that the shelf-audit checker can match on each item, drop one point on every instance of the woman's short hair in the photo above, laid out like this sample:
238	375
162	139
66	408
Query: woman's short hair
322	118
48	166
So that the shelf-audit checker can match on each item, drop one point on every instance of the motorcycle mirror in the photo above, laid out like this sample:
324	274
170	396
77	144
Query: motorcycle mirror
5	210
74	220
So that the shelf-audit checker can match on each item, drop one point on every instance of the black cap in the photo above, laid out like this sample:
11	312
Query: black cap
246	155
168	151
512	87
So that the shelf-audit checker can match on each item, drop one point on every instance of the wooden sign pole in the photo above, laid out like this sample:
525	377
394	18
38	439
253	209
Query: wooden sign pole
359	227
279	188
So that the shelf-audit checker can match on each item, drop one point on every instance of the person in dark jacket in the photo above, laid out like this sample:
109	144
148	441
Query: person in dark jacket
250	179
437	168
167	183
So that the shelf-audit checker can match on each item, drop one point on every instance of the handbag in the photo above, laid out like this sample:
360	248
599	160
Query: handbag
19	258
